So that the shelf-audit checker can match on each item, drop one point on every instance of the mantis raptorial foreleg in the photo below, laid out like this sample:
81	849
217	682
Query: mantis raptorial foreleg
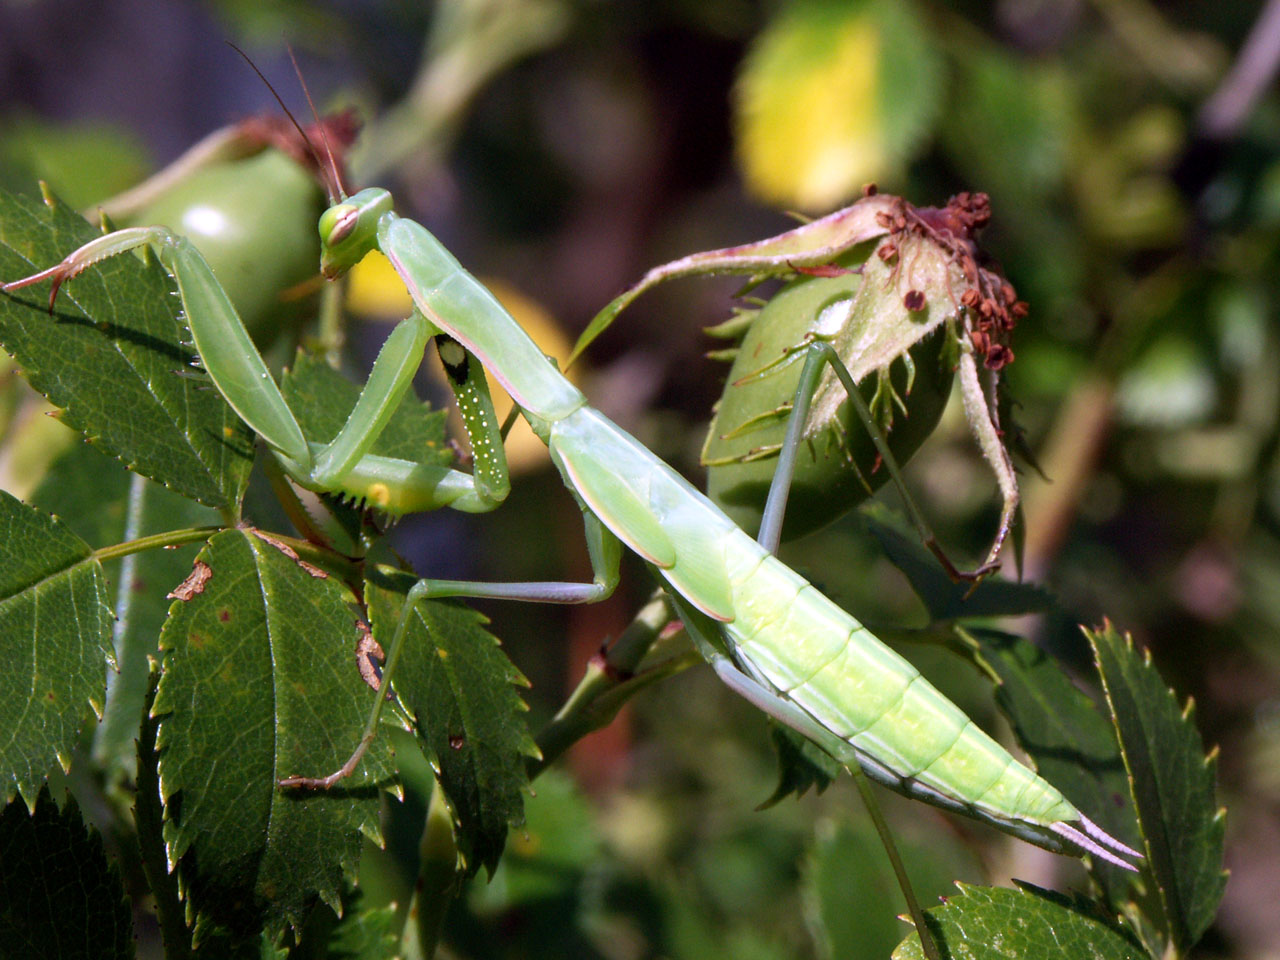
344	464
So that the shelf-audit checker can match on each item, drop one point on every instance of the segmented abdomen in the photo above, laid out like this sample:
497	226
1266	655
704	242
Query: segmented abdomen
795	641
811	651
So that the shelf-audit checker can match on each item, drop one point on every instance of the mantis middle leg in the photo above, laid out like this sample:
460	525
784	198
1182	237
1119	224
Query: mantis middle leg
603	548
817	354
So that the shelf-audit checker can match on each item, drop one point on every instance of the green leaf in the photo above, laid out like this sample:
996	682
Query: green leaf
59	896
1173	786
944	598
261	682
366	935
846	882
55	643
460	687
109	354
1072	744
106	504
322	399
852	900
833	95
1056	723
991	923
83	159
87	491
802	764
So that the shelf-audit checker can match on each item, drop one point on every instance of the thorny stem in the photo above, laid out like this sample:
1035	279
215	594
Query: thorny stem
610	680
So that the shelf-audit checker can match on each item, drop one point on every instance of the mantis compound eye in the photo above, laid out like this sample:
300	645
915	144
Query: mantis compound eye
342	225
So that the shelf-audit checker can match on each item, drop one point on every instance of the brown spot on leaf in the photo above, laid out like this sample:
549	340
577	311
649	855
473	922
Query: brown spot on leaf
194	584
369	657
289	552
456	741
822	270
312	569
279	544
914	300
224	615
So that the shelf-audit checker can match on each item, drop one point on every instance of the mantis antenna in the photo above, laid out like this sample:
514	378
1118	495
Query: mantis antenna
332	179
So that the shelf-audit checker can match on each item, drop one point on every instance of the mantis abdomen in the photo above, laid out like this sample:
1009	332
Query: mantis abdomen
903	730
842	686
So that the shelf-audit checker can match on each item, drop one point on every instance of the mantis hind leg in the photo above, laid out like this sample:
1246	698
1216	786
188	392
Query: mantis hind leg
702	630
606	554
818	354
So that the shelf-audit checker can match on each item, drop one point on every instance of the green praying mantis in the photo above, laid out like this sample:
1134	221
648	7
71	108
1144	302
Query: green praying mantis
770	636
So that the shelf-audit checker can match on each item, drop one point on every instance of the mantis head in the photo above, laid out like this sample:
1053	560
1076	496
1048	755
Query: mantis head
349	230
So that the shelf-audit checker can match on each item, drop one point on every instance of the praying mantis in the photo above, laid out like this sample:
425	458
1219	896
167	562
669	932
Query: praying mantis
769	635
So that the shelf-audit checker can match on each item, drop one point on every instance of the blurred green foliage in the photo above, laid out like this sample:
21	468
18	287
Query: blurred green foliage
1135	179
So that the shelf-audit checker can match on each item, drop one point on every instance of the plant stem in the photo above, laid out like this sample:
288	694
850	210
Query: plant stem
305	550
610	680
170	538
904	883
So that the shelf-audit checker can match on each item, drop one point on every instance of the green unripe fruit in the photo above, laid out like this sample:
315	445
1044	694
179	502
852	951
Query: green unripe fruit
887	322
254	220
